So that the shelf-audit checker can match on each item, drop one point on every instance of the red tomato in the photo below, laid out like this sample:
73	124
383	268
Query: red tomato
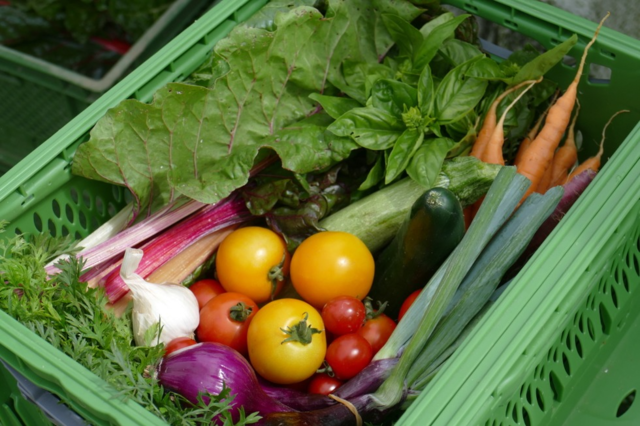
178	343
377	331
343	315
407	303
348	355
225	319
205	290
323	384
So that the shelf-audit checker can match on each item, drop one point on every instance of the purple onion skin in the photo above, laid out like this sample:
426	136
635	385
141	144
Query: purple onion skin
337	415
368	380
294	398
208	367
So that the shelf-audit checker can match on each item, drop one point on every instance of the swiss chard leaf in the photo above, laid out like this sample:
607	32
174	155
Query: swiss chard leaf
458	94
335	106
266	16
427	161
434	40
202	142
393	96
371	128
402	152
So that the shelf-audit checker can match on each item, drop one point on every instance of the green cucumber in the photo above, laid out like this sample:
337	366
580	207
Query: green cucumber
375	219
431	231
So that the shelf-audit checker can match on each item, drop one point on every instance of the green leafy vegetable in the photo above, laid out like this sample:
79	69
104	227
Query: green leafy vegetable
202	142
402	152
371	128
434	40
393	96
333	105
427	161
457	95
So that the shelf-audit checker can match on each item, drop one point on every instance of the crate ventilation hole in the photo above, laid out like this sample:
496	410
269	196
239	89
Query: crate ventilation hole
626	403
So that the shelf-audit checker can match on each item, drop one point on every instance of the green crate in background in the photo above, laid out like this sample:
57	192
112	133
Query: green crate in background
512	369
38	98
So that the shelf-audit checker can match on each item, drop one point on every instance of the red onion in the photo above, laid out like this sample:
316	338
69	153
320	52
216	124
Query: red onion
209	367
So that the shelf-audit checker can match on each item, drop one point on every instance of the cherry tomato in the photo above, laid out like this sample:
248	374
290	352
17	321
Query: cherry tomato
407	303
205	290
343	315
178	343
323	384
250	260
377	331
226	319
287	341
348	355
331	264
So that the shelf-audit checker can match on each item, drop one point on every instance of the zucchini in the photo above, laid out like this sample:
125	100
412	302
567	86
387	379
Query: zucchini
431	231
375	219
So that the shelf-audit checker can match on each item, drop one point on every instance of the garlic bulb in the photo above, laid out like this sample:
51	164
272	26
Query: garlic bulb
175	307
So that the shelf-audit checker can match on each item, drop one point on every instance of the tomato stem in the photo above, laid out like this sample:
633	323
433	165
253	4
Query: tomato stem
276	274
240	312
301	332
374	313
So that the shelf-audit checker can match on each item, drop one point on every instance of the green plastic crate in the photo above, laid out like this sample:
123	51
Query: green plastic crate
514	361
38	97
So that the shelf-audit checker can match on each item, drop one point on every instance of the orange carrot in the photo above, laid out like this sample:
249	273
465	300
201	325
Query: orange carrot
539	154
593	163
489	123
545	181
566	156
493	149
533	132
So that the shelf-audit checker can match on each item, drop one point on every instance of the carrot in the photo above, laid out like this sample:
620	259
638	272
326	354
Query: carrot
566	156
593	163
533	132
539	154
493	149
489	124
545	181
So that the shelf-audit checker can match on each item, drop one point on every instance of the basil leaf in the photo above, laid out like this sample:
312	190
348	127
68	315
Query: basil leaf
543	63
458	94
406	36
426	92
402	152
360	77
457	51
434	40
436	22
376	174
427	161
393	96
486	69
371	128
333	105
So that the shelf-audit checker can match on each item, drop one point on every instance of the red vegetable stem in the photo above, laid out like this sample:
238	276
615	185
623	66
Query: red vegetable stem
229	211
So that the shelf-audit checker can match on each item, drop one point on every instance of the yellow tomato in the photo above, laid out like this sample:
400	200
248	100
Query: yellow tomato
331	264
286	357
248	259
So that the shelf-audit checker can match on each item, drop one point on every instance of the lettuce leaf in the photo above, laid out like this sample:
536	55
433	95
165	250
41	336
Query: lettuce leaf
201	141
